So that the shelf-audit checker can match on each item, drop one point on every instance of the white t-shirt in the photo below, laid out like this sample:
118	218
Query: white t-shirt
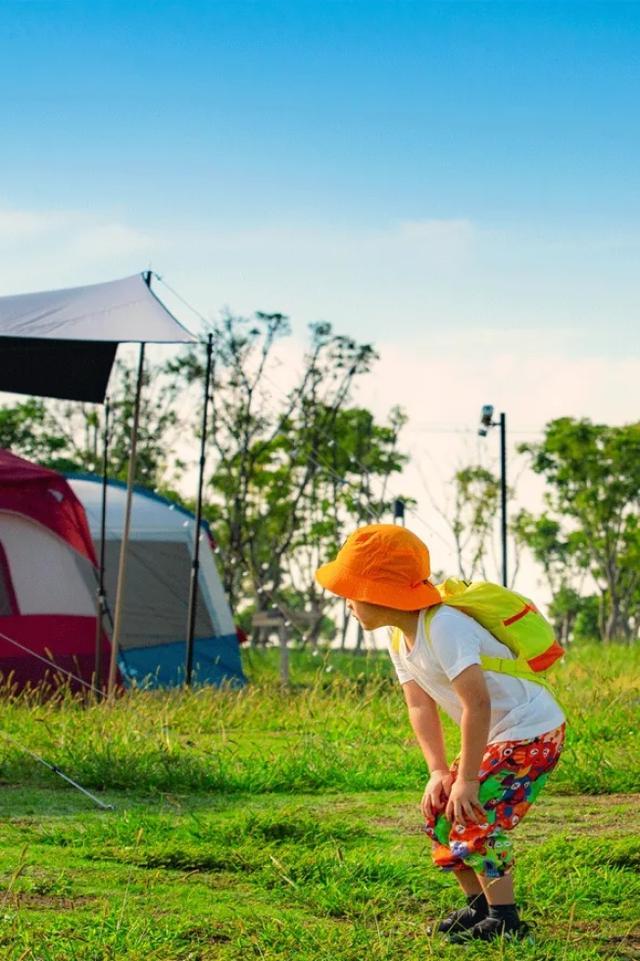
519	709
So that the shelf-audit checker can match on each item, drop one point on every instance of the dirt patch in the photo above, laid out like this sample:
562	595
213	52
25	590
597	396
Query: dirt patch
590	814
627	947
58	902
399	822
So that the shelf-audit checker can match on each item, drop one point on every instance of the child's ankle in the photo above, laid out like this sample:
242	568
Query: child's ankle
504	912
478	902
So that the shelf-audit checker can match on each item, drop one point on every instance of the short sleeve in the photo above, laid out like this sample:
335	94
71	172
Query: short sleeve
402	673
454	641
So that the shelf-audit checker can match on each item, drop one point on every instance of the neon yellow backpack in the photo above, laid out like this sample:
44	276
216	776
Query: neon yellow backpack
511	618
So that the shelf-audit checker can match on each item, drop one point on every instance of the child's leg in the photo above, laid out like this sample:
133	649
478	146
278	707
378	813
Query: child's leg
512	775
468	881
498	890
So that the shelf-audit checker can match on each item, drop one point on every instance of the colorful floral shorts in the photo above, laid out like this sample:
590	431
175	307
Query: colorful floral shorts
512	774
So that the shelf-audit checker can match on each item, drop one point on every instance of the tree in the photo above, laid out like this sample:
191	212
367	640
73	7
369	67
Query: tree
543	536
287	474
472	518
593	488
586	623
477	495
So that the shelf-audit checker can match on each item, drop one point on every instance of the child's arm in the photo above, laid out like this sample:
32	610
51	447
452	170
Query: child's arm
471	688
425	721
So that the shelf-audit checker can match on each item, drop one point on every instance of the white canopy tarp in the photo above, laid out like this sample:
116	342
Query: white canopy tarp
120	310
62	343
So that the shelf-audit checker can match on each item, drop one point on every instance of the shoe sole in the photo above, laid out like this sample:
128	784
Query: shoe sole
462	937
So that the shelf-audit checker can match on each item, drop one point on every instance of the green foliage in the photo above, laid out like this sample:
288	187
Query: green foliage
593	479
27	428
564	610
587	619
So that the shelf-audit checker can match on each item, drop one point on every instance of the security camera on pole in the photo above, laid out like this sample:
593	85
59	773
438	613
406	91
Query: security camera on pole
486	422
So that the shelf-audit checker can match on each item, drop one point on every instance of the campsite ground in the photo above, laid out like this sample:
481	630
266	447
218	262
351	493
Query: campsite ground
293	830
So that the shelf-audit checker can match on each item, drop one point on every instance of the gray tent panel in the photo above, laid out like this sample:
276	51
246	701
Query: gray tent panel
159	572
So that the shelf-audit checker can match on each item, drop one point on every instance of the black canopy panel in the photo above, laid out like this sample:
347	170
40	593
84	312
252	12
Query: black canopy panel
67	369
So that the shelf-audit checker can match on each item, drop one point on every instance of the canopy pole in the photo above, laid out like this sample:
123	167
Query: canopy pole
101	595
195	566
122	567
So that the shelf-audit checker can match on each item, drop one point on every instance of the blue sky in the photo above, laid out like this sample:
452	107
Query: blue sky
458	182
456	165
355	111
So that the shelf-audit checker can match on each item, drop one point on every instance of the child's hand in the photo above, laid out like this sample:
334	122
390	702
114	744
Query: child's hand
463	806
436	793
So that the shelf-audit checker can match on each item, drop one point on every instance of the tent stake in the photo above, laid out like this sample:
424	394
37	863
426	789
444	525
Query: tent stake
56	770
101	596
122	567
195	566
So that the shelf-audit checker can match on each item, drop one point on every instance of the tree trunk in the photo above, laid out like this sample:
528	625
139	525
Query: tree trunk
614	628
345	626
602	617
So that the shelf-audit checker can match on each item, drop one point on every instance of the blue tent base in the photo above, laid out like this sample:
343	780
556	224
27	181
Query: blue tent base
216	660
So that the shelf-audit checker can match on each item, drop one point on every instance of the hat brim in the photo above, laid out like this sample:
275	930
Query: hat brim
343	582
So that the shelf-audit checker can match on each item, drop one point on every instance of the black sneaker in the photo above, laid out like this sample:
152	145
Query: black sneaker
489	928
464	918
461	920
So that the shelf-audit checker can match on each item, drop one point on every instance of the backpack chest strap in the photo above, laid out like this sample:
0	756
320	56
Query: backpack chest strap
515	668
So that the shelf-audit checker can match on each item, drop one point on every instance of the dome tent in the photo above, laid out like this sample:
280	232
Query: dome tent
154	619
47	577
62	343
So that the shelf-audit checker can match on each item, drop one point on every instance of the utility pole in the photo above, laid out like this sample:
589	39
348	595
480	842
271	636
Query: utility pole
486	422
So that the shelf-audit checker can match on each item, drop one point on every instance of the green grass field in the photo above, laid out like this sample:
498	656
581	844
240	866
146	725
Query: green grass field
273	825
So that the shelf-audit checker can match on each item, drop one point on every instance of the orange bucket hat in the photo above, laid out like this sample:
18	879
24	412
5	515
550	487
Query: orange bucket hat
382	564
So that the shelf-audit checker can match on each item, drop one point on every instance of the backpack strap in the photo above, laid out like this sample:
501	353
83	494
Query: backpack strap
515	668
502	665
396	633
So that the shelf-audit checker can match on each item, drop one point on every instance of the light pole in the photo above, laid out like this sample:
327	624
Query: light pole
398	511
486	422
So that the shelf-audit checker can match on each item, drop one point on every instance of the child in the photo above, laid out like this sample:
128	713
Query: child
512	730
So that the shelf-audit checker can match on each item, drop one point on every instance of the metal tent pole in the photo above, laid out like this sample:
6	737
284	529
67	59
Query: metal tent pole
101	595
122	567
195	566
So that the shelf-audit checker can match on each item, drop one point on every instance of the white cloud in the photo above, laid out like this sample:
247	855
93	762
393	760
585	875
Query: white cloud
58	248
96	242
440	275
26	225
